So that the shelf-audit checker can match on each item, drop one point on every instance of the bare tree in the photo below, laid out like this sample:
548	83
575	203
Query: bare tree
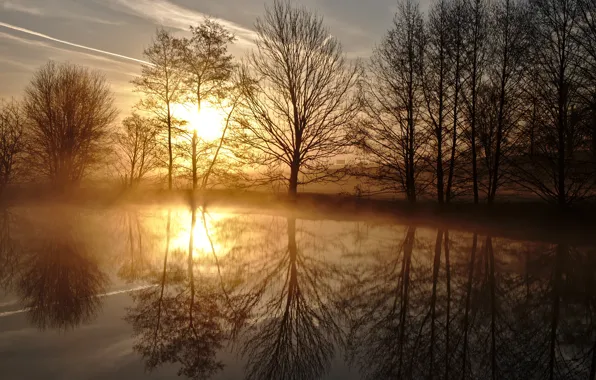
391	137
436	80
12	142
296	112
161	83
456	59
557	174
137	148
586	39
476	54
510	43
208	67
70	110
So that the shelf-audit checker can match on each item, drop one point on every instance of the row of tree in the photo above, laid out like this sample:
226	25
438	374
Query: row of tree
476	95
481	93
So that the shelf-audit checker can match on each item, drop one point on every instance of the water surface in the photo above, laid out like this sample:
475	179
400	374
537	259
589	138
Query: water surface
150	292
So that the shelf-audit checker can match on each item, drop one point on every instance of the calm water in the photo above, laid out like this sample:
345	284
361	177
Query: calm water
149	293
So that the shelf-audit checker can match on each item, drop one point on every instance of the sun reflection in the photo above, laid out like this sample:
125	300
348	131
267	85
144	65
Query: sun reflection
208	123
203	238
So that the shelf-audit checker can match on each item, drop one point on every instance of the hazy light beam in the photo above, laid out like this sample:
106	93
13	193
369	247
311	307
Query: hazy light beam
37	34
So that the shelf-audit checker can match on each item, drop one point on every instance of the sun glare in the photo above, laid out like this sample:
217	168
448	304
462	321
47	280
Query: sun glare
202	238
208	123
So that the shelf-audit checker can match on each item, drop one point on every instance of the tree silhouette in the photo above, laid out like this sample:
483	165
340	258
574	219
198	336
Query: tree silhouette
161	82
12	139
391	136
70	110
208	68
296	112
137	148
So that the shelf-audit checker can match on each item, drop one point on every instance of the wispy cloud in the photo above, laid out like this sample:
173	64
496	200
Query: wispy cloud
168	14
50	11
19	7
87	48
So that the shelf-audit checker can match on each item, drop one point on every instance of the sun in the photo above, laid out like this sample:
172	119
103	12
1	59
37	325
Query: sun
208	122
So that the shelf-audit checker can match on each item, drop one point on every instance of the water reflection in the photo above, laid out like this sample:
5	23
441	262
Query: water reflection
60	284
490	310
57	280
296	323
291	298
179	320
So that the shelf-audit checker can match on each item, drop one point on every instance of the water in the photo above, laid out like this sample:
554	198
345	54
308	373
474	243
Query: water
118	294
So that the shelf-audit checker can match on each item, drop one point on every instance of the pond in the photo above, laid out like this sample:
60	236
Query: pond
151	292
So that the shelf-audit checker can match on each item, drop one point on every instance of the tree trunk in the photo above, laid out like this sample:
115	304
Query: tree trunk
170	154
561	127
293	188
194	160
474	101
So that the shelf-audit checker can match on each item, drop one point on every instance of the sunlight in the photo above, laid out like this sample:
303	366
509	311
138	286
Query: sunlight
202	245
208	123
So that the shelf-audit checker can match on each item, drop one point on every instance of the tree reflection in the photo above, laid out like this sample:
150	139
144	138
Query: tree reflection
297	328
9	255
135	263
410	303
487	311
271	297
60	284
179	320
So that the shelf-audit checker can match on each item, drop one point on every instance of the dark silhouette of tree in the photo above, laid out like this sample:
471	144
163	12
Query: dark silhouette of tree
455	57
509	46
436	84
70	110
12	142
296	112
476	54
161	82
557	174
137	149
208	68
391	135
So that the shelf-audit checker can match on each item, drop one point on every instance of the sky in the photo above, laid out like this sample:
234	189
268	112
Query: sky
110	35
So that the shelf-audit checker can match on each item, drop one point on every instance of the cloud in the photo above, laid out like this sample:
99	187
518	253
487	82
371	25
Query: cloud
171	15
88	48
17	7
52	10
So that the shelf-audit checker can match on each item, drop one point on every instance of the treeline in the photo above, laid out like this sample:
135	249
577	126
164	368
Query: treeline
479	94
471	99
